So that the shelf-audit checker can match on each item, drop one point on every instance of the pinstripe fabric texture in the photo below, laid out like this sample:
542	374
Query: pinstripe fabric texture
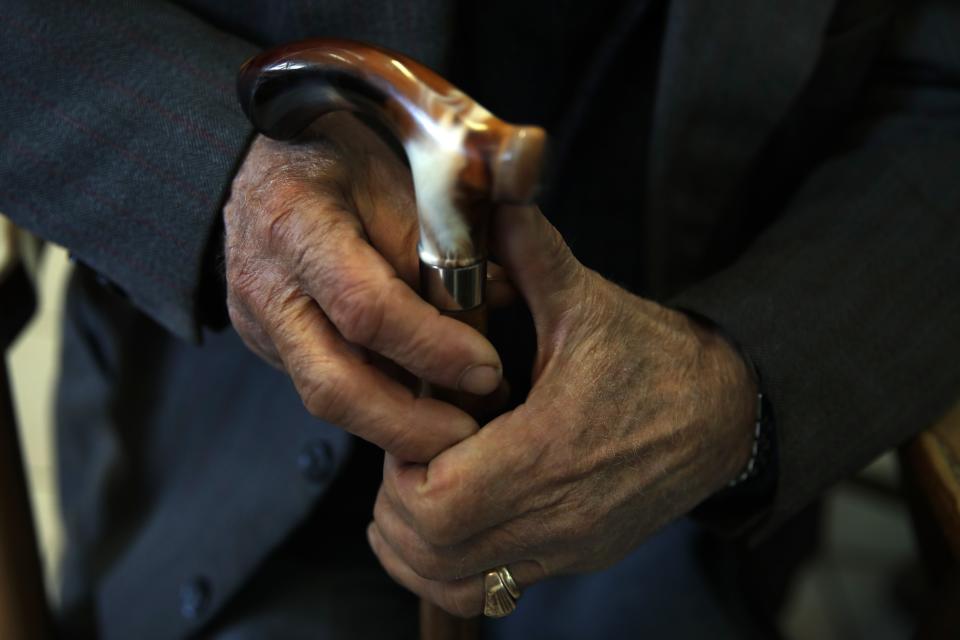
847	303
119	139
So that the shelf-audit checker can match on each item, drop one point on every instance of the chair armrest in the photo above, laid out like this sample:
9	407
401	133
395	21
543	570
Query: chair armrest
932	461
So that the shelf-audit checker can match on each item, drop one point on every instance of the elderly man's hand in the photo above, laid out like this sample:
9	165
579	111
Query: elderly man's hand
636	415
321	265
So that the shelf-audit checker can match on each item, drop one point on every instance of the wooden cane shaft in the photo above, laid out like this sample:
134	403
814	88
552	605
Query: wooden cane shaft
435	623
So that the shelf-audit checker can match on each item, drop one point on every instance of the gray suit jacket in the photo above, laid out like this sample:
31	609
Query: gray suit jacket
787	169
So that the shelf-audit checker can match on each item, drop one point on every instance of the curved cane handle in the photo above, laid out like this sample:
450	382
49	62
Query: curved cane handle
462	158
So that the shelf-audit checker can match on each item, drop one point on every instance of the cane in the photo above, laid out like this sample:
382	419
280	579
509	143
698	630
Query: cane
464	163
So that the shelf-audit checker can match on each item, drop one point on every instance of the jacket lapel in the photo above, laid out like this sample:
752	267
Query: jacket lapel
729	73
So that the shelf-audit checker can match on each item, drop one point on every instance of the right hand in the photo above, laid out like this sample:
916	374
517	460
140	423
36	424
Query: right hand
321	272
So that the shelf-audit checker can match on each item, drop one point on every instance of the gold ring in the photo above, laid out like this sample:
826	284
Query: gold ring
500	593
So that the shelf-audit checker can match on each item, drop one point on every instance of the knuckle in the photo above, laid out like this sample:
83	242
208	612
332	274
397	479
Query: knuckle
399	440
357	310
323	392
441	509
426	564
283	229
419	556
405	440
256	295
417	347
243	283
440	526
293	213
310	242
578	525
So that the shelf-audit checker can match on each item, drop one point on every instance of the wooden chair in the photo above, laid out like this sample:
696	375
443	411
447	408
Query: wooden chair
24	614
931	473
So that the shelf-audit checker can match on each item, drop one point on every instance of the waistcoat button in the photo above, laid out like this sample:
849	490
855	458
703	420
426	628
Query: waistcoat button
315	460
195	597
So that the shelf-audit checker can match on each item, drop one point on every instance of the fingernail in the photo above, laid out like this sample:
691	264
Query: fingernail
479	379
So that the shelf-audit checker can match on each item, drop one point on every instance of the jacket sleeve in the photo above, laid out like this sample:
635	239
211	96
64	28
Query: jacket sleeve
849	304
119	140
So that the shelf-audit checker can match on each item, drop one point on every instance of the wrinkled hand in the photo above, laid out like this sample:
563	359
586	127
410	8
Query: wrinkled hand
636	415
321	265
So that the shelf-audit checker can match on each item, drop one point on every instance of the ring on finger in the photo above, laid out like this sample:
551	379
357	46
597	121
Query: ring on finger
500	593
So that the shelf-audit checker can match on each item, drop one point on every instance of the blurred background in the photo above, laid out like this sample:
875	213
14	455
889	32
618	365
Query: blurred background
864	582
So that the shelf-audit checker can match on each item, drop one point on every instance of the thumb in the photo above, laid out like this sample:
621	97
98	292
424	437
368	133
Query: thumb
537	259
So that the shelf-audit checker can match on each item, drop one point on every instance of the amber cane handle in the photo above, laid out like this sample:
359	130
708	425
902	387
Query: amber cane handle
463	158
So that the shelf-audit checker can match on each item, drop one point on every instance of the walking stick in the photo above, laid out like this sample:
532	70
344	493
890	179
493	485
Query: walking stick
23	606
464	162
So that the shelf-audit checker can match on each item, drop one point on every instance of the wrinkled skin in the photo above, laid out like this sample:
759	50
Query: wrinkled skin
636	415
321	270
